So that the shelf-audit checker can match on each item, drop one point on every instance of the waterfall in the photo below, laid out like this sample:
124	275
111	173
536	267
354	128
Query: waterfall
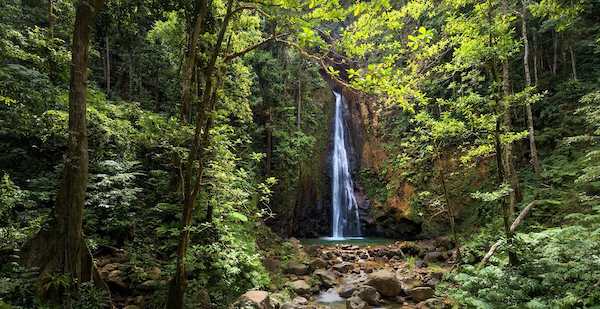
345	215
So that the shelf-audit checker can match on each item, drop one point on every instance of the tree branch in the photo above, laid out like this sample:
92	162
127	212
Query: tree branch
320	61
253	47
513	228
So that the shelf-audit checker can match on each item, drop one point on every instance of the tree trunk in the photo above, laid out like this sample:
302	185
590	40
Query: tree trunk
512	257
535	59
189	62
107	73
269	152
192	186
555	52
573	63
532	147
50	57
61	248
449	209
510	171
299	106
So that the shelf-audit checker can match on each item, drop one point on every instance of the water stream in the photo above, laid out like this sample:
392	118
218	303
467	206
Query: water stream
345	216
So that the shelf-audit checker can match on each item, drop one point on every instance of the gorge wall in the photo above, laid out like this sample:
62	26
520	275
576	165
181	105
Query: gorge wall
303	209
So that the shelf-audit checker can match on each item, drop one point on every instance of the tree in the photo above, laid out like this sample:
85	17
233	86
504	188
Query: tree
535	161
60	248
194	167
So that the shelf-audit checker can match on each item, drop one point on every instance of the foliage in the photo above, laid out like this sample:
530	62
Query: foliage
558	269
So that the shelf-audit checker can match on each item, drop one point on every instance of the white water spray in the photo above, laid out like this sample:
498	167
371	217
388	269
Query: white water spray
346	222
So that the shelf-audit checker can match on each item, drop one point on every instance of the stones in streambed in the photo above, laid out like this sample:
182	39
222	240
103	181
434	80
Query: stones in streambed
346	290
254	300
326	278
436	256
298	269
420	294
356	302
343	267
433	303
385	282
317	264
300	287
369	294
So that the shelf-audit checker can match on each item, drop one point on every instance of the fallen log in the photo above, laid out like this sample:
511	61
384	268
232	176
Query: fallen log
513	228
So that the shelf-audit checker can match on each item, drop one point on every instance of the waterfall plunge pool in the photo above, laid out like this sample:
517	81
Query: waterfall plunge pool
358	241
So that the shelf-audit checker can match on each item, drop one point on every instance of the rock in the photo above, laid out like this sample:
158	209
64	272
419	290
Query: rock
271	264
299	300
385	282
298	269
153	273
327	278
420	264
420	294
278	299
255	300
432	303
300	287
343	267
318	263
435	256
346	290
409	284
369	294
431	282
131	307
443	243
149	285
355	302
115	278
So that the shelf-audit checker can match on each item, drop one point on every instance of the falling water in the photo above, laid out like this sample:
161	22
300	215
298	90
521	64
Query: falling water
346	221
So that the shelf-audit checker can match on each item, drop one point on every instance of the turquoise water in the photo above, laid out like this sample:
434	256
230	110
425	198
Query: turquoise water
358	241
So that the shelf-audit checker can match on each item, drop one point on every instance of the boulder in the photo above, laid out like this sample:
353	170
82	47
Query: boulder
255	300
131	307
115	279
432	303
153	273
148	285
299	300
422	293
346	290
385	282
299	287
355	302
318	263
369	294
343	267
327	278
435	256
298	269
420	264
271	264
409	284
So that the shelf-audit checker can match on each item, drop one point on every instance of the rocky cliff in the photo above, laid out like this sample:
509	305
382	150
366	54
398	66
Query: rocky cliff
304	209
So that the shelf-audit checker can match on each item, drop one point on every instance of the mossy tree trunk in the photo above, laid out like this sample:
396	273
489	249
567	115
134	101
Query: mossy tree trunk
60	247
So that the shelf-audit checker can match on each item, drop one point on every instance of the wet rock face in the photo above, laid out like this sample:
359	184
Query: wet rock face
385	219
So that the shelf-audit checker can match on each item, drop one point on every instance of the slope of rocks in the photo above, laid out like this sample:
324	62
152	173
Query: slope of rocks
399	275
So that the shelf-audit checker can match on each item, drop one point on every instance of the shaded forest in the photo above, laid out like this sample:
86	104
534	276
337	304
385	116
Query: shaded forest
299	154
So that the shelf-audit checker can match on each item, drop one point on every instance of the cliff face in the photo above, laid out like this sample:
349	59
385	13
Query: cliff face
303	209
388	206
